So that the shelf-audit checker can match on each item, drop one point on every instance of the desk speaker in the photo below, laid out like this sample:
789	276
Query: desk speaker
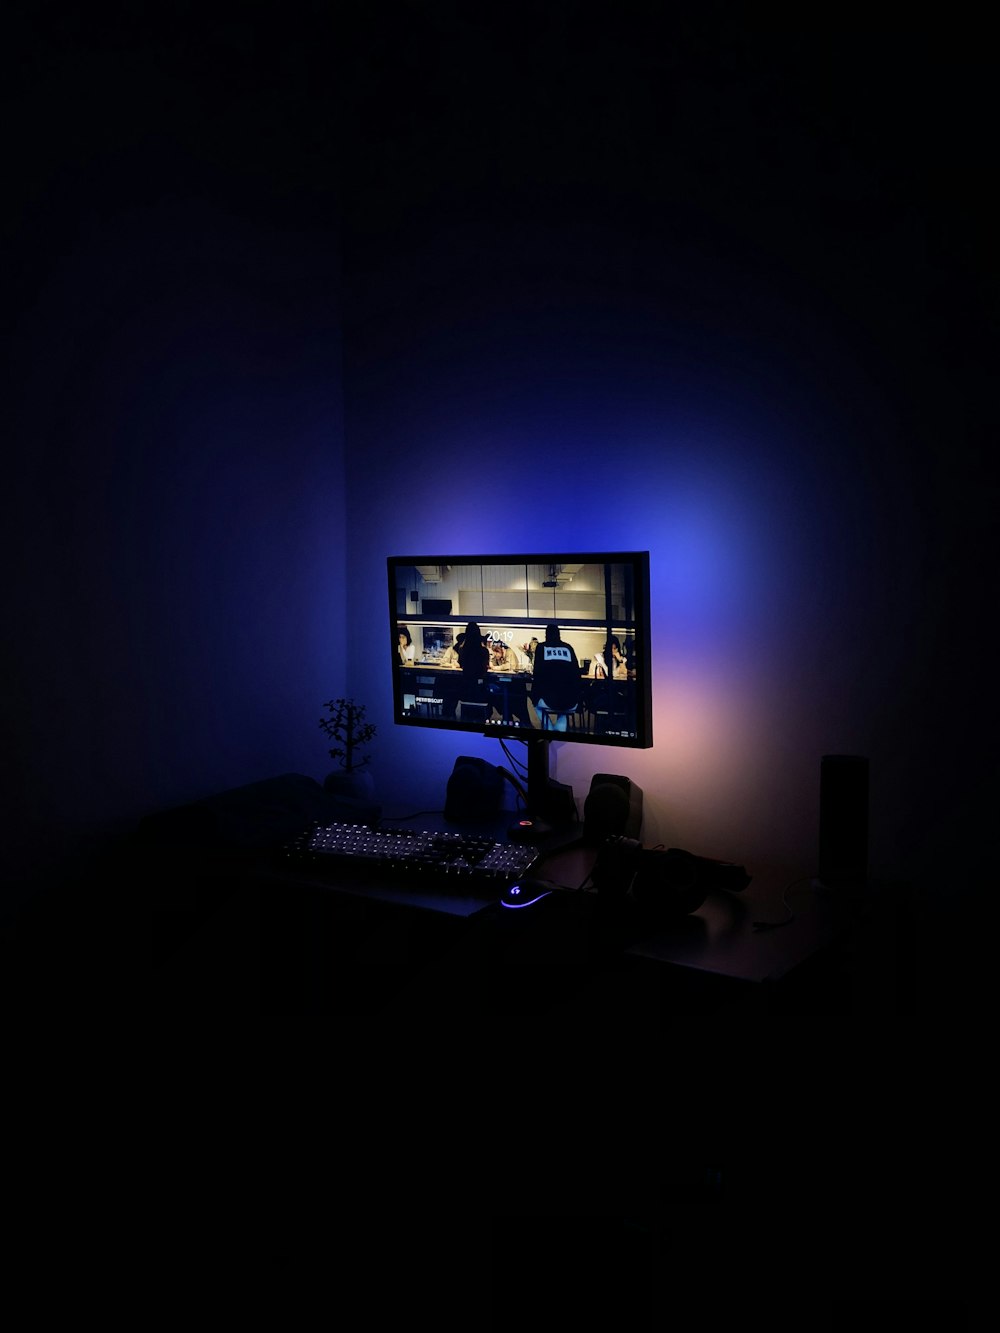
613	808
475	790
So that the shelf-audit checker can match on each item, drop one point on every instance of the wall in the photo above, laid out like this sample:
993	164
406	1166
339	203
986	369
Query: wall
689	307
174	508
710	290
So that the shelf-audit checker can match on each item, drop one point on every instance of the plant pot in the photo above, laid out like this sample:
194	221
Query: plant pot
359	785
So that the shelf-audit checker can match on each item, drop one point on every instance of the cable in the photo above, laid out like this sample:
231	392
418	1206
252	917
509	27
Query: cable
515	782
518	764
775	925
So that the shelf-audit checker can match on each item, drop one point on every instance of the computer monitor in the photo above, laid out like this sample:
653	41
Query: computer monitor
534	648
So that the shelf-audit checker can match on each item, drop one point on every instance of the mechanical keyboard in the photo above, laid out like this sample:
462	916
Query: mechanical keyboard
441	860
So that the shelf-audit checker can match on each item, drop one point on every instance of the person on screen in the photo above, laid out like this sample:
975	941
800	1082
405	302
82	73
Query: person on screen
612	652
502	657
474	659
511	697
555	687
407	650
450	688
450	658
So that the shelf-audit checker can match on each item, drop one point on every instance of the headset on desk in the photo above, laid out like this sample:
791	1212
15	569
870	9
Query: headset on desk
664	884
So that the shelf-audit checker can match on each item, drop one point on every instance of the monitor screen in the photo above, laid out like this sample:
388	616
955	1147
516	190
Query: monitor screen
531	647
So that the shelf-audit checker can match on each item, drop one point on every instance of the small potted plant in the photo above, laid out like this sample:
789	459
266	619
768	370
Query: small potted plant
350	733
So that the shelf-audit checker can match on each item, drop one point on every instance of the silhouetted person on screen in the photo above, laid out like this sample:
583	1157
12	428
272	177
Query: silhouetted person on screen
555	685
474	659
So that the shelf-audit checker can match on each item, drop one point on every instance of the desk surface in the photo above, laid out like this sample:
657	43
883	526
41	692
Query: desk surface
719	938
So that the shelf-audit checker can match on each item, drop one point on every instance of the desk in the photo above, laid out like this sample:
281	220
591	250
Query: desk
720	938
234	923
365	945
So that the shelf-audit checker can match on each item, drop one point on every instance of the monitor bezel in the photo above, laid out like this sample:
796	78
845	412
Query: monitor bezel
639	564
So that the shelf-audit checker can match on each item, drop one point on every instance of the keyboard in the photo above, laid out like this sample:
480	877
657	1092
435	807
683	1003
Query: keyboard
438	860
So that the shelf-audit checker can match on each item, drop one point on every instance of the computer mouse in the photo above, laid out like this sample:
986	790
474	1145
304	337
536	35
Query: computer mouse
526	892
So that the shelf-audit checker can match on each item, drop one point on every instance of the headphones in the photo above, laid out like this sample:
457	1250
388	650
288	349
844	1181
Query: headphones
662	884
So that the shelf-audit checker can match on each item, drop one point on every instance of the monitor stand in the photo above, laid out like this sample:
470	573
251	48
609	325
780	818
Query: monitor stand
550	820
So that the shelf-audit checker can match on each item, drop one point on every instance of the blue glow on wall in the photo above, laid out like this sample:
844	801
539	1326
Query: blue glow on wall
780	587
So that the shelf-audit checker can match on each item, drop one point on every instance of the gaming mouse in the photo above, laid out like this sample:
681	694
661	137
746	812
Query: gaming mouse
526	892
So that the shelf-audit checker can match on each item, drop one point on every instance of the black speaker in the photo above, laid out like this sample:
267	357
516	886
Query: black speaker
613	808
475	790
843	820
